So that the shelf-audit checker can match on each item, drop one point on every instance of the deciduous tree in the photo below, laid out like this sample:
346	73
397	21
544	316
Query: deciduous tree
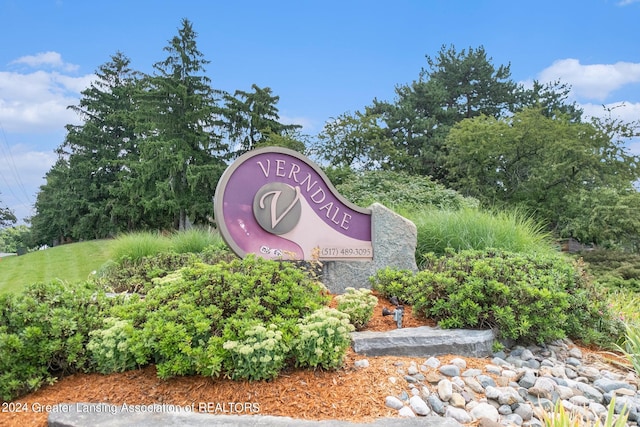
536	161
355	141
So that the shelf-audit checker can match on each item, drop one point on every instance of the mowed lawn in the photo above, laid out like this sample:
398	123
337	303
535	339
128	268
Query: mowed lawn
71	263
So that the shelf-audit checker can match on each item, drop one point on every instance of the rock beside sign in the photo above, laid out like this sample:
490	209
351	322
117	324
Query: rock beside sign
394	241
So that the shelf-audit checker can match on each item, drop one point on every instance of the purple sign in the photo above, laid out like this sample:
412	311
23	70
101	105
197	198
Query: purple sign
276	203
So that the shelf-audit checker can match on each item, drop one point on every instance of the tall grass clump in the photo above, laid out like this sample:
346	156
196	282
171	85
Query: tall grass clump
631	345
134	247
558	416
195	240
465	229
625	304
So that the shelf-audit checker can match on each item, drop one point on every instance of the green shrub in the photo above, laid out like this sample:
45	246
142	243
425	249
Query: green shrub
43	334
528	297
625	305
259	355
400	190
323	339
614	269
465	229
109	346
186	316
137	276
358	305
174	326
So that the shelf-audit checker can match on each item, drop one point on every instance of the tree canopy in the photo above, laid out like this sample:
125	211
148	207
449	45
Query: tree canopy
7	217
535	161
150	148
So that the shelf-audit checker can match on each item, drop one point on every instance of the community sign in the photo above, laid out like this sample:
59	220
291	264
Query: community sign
276	203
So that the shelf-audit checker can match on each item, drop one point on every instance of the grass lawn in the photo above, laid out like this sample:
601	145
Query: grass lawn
71	263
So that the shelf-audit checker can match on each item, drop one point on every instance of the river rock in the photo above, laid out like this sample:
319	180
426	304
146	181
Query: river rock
450	370
458	414
419	406
406	412
605	385
484	410
445	390
393	402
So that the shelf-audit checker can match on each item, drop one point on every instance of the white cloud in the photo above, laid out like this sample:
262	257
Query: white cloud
37	102
46	59
627	2
626	111
33	107
595	81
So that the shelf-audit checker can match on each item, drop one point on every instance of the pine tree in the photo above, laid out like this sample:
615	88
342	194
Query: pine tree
181	155
252	119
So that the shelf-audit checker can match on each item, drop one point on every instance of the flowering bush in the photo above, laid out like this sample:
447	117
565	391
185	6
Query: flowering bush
323	339
259	356
358	305
109	347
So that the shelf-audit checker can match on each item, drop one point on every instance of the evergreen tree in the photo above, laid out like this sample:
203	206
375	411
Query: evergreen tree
252	117
551	99
181	155
7	217
56	207
101	149
457	85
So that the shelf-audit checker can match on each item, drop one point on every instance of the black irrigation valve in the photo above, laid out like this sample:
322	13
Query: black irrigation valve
397	313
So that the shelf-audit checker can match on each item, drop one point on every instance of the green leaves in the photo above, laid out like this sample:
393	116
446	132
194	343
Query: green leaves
259	354
398	189
109	346
528	297
323	339
552	165
358	304
211	319
44	332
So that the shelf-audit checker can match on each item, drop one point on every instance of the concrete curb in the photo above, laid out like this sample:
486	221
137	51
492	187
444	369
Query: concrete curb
106	415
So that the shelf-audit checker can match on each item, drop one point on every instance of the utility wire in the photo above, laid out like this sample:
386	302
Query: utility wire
12	168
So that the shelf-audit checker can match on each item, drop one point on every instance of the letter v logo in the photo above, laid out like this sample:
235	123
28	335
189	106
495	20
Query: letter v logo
275	201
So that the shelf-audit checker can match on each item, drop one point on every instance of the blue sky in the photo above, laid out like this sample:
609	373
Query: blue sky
322	58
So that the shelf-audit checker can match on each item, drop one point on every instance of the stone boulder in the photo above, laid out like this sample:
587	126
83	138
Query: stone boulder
394	240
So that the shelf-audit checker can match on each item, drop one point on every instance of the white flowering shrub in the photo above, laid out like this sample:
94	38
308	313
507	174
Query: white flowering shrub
260	355
109	347
358	304
323	339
